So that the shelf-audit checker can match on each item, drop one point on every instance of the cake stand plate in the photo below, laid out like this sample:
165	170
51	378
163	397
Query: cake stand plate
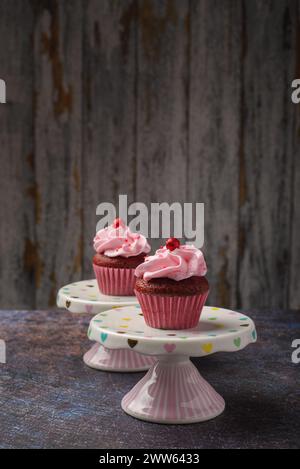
173	391
85	297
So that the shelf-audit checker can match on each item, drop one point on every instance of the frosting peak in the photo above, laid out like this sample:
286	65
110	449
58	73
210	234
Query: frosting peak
183	262
118	240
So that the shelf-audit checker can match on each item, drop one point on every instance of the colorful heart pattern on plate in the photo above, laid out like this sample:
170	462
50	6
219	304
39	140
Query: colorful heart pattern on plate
219	330
237	342
132	343
103	336
169	347
207	348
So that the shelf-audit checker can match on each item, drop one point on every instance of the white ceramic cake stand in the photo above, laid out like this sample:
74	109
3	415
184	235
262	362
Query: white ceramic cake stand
173	391
85	297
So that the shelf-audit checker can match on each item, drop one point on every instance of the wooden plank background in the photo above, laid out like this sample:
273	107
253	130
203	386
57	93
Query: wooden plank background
162	100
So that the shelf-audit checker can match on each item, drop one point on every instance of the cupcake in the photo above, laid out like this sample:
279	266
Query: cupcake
171	287
118	253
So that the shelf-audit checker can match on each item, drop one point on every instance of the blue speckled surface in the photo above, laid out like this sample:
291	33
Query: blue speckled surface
50	399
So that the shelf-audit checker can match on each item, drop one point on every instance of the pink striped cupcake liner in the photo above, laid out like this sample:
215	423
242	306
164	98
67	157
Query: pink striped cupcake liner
115	281
171	312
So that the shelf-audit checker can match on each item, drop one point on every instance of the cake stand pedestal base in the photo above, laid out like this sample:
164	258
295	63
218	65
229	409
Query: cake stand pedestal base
173	391
101	358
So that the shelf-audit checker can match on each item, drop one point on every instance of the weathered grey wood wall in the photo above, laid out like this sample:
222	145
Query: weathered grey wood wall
163	100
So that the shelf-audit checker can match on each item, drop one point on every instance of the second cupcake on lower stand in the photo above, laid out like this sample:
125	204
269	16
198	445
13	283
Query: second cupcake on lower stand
118	252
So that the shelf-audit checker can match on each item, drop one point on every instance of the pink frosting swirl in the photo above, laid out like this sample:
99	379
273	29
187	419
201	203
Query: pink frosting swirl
120	241
184	262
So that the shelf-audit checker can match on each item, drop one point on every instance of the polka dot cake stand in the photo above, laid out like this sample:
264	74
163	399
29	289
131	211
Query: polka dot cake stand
85	297
173	391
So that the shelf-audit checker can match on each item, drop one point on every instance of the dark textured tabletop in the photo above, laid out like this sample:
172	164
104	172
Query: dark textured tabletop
50	399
